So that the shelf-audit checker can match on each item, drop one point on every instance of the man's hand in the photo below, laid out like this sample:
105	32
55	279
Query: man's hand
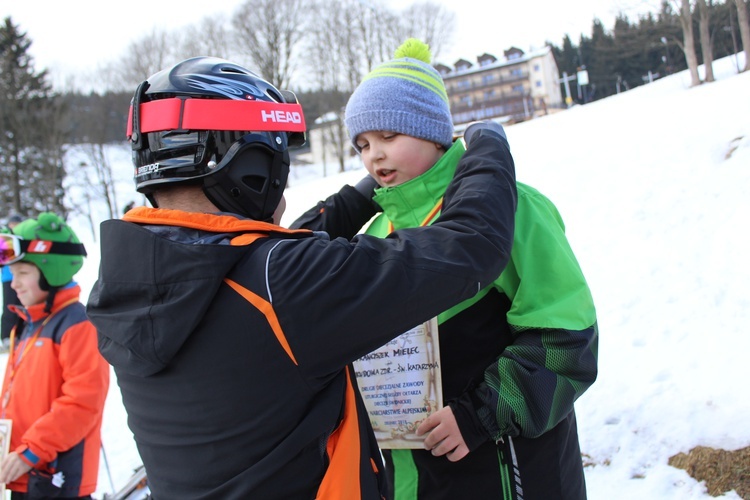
474	129
366	187
444	436
12	468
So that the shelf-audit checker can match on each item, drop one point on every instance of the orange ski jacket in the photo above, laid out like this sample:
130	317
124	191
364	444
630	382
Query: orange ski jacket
54	391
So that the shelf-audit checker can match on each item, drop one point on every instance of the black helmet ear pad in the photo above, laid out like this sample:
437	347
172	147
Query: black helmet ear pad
251	183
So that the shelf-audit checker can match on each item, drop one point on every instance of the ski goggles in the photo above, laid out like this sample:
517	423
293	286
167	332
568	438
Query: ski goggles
14	248
176	114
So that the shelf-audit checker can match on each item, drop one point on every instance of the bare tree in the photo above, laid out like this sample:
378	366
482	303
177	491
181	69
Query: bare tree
144	57
158	49
100	176
704	21
209	37
379	31
432	23
93	185
744	21
688	43
269	31
335	58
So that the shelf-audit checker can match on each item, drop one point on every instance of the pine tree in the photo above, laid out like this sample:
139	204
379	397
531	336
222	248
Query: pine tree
601	63
31	139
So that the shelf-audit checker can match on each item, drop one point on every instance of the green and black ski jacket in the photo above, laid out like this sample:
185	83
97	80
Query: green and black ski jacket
514	357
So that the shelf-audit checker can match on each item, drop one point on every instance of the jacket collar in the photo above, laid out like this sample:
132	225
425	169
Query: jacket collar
215	223
34	313
407	204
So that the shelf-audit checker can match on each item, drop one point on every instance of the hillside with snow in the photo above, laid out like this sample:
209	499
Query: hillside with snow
654	187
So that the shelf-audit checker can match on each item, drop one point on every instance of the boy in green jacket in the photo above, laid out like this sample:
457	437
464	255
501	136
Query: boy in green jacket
515	357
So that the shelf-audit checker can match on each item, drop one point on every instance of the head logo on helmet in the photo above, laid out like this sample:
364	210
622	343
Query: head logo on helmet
210	122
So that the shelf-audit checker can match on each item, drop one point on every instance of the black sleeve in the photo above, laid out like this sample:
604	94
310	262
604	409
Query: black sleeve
338	300
340	215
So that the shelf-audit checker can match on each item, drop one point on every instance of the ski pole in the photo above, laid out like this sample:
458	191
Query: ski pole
109	472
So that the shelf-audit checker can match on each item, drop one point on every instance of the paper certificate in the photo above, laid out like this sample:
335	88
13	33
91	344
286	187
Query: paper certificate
401	385
5	427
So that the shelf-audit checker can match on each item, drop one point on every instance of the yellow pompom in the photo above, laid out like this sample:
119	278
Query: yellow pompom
416	49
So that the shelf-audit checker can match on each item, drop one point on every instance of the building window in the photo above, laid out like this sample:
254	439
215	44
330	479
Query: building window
489	95
538	83
488	79
518	89
463	84
537	68
466	100
516	72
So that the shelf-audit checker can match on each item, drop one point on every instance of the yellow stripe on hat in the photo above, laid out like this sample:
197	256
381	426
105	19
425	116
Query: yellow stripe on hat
412	72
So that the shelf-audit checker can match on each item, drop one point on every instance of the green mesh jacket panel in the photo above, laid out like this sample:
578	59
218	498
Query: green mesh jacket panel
553	358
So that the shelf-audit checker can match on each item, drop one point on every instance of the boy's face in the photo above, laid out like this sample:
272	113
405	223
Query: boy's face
393	158
26	283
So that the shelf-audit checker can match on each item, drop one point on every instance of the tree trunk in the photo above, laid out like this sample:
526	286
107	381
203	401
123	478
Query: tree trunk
744	22
686	20
705	36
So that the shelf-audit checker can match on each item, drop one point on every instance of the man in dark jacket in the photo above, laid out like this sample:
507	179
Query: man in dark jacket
232	337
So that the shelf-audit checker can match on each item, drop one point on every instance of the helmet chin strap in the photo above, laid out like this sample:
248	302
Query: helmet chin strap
44	285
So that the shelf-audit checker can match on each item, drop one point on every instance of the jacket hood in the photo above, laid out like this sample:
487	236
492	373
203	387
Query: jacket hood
153	291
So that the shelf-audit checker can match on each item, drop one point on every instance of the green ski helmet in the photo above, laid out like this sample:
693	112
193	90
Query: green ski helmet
57	269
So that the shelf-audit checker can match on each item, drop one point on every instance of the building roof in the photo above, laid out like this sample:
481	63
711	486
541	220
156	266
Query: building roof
528	56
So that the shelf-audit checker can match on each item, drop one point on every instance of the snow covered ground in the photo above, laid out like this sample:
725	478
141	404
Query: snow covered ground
654	187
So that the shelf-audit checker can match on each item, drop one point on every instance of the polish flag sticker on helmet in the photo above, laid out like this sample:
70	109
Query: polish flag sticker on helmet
39	246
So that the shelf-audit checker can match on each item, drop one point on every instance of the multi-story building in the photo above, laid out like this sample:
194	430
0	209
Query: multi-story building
514	89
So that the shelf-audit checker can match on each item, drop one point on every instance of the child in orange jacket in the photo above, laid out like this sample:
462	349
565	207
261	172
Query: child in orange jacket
56	381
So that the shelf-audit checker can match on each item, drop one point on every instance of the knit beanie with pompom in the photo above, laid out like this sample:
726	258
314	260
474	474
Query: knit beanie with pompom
404	95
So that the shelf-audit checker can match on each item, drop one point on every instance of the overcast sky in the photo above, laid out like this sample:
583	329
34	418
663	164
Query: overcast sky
79	35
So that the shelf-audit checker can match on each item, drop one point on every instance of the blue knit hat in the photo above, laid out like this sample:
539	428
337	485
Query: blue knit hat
404	95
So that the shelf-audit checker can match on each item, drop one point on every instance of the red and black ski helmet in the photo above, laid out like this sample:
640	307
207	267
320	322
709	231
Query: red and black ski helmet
211	122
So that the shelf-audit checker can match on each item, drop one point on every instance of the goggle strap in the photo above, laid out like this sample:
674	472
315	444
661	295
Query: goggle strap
52	247
134	119
215	114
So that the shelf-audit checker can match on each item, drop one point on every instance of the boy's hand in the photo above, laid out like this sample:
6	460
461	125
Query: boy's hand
444	436
474	129
12	468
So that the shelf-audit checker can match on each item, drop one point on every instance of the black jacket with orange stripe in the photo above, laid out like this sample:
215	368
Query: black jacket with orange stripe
231	339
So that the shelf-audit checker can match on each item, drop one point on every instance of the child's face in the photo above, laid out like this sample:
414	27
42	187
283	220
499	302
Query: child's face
26	283
393	158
